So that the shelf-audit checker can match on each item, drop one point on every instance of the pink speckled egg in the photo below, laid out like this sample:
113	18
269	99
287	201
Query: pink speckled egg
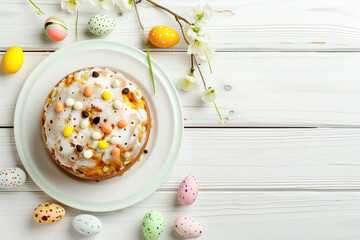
12	178
188	190
187	227
56	29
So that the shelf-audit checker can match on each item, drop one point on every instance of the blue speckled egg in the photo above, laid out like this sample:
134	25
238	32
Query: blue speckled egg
153	225
101	25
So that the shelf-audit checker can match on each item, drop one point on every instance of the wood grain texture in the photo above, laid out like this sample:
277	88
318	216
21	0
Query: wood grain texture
267	89
225	215
256	159
249	25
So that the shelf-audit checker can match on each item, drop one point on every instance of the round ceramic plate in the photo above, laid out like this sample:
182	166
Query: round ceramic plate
163	146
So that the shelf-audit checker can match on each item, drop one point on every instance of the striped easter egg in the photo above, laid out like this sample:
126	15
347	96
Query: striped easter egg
56	29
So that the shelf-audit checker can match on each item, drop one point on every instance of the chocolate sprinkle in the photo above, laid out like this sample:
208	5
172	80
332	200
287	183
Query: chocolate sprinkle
79	148
96	120
95	74
85	114
146	151
125	91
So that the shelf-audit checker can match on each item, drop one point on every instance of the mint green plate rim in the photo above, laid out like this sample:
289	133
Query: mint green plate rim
41	181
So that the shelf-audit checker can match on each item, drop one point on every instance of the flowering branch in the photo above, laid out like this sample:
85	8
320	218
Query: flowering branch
209	94
146	45
169	11
38	10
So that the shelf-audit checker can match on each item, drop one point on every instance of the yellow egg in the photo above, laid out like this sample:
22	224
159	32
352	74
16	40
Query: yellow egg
162	36
12	60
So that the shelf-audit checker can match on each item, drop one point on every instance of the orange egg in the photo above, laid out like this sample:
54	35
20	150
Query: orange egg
164	37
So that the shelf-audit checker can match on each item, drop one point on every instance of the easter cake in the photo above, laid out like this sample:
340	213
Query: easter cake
95	123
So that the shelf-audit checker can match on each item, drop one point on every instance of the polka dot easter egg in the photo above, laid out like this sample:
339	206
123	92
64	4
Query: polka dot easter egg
48	213
101	25
153	225
188	190
56	29
12	178
163	37
87	225
187	227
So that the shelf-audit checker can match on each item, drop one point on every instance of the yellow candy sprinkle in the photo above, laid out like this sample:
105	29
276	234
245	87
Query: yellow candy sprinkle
103	145
106	95
67	131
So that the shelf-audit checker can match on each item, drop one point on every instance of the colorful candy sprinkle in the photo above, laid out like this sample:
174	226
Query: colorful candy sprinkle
84	124
59	107
96	120
69	102
88	154
67	131
88	91
115	83
107	128
117	104
78	105
96	135
115	152
103	145
115	140
122	123
106	95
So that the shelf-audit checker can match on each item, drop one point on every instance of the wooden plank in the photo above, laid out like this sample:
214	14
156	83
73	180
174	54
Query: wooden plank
256	159
237	24
267	89
223	215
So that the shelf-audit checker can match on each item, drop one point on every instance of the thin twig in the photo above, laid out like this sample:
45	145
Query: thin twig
169	11
197	65
192	64
146	45
182	30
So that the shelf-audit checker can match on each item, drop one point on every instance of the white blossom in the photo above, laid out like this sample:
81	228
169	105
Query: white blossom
187	83
71	5
124	5
201	14
209	95
201	47
103	4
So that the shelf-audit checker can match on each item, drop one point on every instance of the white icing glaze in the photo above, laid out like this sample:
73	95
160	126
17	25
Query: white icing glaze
127	137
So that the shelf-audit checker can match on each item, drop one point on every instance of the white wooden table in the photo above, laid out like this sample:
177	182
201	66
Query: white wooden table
286	164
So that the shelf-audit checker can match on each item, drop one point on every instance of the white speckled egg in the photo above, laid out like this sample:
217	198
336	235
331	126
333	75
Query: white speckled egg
48	213
188	227
188	190
87	225
101	25
153	225
12	178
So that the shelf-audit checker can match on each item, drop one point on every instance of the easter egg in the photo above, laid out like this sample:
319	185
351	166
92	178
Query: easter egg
87	224
153	225
12	178
12	60
55	29
164	37
101	25
188	190
187	227
48	213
